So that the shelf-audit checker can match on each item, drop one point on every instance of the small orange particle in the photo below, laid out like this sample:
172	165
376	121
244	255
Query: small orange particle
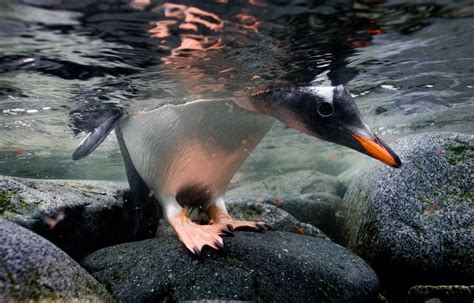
51	222
278	201
432	208
439	150
300	230
21	151
226	70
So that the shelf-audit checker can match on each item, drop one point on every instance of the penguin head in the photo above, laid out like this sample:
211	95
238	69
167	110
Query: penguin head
329	113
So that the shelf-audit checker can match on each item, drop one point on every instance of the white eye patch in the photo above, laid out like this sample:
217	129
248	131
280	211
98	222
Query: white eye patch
325	92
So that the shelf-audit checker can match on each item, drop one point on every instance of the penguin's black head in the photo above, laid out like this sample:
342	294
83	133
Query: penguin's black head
326	112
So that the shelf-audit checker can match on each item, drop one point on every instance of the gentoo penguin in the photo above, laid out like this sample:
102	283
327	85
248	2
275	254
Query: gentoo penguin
186	154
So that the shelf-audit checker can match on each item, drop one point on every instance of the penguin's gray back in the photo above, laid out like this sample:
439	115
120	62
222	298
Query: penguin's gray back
196	146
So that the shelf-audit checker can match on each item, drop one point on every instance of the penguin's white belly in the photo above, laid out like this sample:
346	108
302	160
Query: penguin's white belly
194	146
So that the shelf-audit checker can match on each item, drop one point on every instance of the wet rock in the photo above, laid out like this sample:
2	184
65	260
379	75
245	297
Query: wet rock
417	221
33	269
77	216
259	267
440	293
291	184
319	210
257	210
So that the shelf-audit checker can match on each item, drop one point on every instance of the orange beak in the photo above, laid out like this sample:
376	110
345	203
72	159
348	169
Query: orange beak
378	150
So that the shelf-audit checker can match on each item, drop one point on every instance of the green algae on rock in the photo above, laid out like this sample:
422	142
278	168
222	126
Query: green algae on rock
78	216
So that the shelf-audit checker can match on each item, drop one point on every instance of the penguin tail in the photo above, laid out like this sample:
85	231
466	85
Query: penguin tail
97	125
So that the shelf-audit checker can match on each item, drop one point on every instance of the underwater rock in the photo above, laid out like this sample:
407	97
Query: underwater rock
257	210
259	267
295	183
318	210
418	221
441	293
33	269
77	216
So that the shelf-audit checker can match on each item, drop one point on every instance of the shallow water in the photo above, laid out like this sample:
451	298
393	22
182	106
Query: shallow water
409	65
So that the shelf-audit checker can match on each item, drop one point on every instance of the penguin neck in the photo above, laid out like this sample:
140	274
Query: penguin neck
273	104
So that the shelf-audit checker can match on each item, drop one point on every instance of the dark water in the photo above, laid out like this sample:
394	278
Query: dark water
410	65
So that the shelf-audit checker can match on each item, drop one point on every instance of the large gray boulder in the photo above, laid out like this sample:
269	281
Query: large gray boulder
258	267
300	213
77	216
33	269
321	210
417	221
257	210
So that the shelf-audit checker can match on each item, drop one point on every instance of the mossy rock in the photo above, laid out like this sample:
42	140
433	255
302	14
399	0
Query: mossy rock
78	216
33	269
417	221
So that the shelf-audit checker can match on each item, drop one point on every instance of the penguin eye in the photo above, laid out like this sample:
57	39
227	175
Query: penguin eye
325	109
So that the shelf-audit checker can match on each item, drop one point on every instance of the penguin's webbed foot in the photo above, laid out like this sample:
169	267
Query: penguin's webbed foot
195	236
232	224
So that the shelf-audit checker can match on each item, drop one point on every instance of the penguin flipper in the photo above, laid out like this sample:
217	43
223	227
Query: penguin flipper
96	137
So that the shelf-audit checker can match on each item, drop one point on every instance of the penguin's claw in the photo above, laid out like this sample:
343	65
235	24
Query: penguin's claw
220	245
195	236
268	226
261	226
228	232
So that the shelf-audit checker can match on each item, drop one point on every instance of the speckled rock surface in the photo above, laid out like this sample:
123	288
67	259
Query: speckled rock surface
321	210
417	221
32	268
257	210
259	267
290	184
318	210
441	293
77	216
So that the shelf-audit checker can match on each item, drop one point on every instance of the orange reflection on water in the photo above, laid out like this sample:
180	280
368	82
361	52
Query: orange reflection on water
194	42
247	21
161	29
139	4
188	26
188	18
257	2
193	36
190	14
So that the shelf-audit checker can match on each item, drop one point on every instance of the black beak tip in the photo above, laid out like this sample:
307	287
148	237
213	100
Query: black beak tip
398	162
